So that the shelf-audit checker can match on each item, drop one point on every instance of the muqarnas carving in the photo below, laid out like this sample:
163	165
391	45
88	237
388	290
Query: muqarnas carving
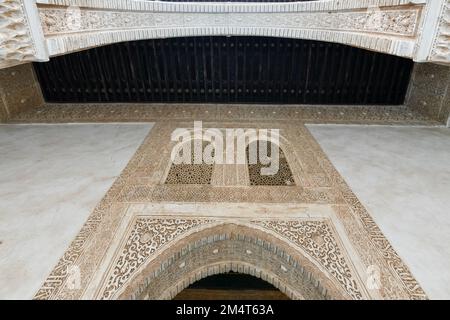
16	44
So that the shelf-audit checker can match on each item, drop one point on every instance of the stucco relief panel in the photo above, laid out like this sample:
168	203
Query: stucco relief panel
396	22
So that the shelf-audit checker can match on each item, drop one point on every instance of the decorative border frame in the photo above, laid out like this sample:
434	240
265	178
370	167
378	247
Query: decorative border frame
138	184
127	112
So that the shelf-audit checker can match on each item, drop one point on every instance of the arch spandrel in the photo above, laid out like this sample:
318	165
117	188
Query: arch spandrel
291	263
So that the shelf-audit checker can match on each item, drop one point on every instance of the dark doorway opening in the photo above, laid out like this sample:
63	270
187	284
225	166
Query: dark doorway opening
231	286
261	70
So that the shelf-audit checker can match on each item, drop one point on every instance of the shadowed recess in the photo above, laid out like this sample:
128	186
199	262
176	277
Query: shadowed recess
226	70
231	286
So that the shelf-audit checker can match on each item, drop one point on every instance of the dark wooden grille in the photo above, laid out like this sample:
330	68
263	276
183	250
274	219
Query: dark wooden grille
226	70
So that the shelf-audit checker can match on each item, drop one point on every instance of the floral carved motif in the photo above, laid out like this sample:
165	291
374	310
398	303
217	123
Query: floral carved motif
316	238
400	22
147	236
389	29
76	20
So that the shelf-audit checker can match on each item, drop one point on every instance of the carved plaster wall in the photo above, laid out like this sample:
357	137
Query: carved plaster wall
390	28
147	239
21	37
416	29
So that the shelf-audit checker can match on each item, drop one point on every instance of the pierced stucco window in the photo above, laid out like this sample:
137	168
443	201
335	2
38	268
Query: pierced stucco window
191	173
282	177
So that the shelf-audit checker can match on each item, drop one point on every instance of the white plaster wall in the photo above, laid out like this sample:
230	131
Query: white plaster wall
51	178
402	176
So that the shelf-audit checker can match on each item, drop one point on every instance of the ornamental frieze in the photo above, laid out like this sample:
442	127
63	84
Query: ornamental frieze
33	30
396	22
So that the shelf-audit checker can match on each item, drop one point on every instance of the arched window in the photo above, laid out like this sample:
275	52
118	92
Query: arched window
281	177
191	173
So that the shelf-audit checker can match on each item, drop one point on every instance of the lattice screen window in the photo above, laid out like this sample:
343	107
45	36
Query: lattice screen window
283	177
190	173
